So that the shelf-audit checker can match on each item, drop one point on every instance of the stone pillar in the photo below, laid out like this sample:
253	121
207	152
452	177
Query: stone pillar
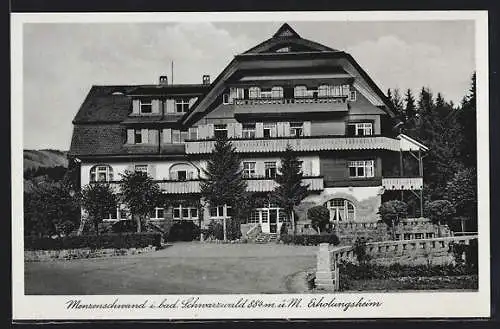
325	270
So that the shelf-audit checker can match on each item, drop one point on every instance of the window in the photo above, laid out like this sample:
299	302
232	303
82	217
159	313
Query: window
137	136
269	129
225	98
324	91
296	129
360	129
220	131
193	133
248	169
236	93
218	212
101	173
262	215
419	235
362	168
158	213
277	92
254	92
185	212
141	168
182	175
266	93
283	50
341	210
146	106
352	95
300	91
248	130
429	235
270	169
182	105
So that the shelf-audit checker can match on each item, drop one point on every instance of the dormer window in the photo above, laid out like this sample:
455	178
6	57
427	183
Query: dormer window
360	129
352	95
300	91
296	129
137	136
146	105
277	92
182	105
283	50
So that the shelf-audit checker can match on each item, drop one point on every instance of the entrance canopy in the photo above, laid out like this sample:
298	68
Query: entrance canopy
409	144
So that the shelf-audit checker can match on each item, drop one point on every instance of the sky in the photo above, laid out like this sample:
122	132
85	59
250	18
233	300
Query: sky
61	61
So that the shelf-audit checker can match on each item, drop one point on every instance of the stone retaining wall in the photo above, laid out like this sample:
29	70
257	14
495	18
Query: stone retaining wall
66	254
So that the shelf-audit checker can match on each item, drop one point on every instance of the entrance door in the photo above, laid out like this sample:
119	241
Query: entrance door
273	220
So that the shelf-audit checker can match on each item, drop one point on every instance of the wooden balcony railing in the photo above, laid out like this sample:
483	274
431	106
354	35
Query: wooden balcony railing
296	100
253	185
298	144
403	183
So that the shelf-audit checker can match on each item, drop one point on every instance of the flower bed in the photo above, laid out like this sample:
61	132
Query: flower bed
414	283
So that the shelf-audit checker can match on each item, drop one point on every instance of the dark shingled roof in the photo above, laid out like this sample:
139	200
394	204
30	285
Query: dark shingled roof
97	139
102	104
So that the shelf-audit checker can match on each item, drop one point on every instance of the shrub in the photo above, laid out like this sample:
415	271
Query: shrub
127	240
392	212
124	226
310	239
440	212
320	217
360	250
215	230
184	231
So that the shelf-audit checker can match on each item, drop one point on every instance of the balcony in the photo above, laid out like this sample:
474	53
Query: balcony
254	185
298	144
290	105
402	183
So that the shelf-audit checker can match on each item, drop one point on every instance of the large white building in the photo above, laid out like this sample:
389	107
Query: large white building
285	90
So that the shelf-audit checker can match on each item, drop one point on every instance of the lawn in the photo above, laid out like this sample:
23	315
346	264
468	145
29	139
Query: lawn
183	268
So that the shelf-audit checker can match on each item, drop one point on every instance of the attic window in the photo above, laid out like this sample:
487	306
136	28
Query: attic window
283	50
117	93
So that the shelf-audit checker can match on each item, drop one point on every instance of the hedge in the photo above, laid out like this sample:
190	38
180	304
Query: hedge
125	240
310	239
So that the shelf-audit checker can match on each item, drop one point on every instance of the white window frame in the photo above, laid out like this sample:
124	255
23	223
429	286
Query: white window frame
362	128
283	49
345	207
222	212
277	92
183	103
272	127
180	208
248	132
249	170
367	167
218	127
352	95
300	91
142	167
105	169
155	213
137	132
225	99
268	165
147	104
297	126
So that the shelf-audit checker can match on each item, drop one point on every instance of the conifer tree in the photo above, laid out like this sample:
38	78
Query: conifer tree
224	184
290	190
467	120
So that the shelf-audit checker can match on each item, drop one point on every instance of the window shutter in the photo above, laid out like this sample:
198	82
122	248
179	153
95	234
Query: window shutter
135	106
281	129
210	128
170	106
307	128
237	130
306	167
130	136
167	136
230	130
190	175
202	132
153	136
259	168
155	105
286	128
144	136
152	170
192	101
259	129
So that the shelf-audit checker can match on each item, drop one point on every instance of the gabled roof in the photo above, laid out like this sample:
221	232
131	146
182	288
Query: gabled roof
287	37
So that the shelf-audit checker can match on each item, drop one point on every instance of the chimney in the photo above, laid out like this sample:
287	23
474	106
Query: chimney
163	80
206	79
